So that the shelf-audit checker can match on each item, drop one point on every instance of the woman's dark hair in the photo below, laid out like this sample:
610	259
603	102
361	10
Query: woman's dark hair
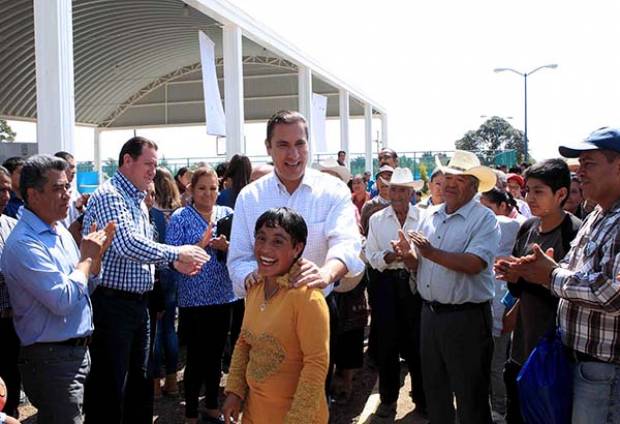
12	163
239	171
203	171
287	219
553	173
167	193
497	197
221	169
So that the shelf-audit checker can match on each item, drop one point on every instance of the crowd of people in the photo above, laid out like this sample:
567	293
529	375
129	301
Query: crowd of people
271	274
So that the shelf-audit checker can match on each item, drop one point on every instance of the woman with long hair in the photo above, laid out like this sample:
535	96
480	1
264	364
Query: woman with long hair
239	171
167	200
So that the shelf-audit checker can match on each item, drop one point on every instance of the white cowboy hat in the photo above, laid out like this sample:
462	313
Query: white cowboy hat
331	165
467	163
404	178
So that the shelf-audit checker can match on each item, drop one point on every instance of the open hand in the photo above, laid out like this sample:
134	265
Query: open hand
219	243
231	408
424	246
537	267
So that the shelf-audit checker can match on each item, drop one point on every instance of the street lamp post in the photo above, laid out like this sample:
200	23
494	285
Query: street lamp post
525	75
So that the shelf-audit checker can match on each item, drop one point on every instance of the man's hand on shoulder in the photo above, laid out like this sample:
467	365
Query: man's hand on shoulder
309	274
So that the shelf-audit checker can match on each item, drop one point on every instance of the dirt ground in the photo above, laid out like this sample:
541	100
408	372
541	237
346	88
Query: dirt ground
364	399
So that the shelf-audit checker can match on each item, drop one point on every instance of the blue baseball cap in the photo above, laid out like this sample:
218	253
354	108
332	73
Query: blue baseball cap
605	138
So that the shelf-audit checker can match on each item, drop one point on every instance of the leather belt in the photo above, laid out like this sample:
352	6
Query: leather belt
583	357
121	294
401	274
439	308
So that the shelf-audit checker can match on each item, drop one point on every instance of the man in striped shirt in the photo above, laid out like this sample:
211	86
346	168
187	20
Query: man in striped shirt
117	389
586	283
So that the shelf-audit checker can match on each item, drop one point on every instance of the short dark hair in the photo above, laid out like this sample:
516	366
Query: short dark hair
180	172
5	172
34	172
553	173
287	219
285	117
497	197
64	155
133	147
341	151
12	163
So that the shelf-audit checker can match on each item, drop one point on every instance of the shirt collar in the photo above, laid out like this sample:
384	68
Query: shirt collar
411	213
307	180
37	224
463	211
128	187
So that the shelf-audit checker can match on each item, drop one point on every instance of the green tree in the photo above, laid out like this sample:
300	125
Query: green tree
6	132
494	134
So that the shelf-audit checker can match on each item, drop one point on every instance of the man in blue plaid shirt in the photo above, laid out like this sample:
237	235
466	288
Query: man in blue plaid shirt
117	389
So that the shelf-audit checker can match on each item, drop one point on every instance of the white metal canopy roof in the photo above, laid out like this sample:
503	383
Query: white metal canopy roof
137	63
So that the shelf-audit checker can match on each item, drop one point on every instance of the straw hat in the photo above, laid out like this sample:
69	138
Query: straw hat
331	165
467	163
404	178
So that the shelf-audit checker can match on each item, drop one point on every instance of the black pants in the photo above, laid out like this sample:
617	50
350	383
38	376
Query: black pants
9	354
118	387
332	306
397	325
237	310
457	348
513	406
206	330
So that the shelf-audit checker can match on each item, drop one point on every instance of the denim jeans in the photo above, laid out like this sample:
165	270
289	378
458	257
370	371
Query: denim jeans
166	340
54	377
596	393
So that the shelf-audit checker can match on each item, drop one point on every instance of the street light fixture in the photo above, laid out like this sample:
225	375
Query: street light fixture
525	75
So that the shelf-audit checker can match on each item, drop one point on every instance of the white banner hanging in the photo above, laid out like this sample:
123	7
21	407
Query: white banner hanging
214	112
319	117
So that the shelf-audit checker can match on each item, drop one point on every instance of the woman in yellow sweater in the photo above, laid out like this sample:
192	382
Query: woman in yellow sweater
280	361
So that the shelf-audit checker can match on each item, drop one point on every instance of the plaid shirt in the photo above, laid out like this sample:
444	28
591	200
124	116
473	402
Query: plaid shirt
585	282
128	265
6	226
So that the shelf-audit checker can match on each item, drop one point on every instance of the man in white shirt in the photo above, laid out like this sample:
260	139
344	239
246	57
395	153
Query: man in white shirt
333	247
395	309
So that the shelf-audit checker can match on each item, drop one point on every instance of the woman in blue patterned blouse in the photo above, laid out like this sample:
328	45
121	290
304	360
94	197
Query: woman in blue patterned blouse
204	299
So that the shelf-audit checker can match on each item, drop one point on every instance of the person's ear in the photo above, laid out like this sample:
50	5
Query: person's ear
268	146
297	249
561	194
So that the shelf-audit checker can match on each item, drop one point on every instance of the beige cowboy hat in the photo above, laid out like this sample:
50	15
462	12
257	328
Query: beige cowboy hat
467	163
404	178
330	165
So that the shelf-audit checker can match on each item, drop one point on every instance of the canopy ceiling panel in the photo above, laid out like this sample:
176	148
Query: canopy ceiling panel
137	63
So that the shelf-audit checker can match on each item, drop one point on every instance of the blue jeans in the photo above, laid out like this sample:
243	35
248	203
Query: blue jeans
166	340
596	393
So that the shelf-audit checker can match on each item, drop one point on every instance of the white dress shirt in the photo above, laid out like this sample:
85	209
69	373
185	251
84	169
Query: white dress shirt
382	229
325	204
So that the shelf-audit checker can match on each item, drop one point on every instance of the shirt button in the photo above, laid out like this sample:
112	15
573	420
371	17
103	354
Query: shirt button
428	285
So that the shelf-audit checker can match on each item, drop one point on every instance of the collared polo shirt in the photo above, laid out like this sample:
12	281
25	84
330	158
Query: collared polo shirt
472	229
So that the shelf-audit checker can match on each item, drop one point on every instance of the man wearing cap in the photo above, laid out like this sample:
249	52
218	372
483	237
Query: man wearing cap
381	198
455	248
395	308
587	283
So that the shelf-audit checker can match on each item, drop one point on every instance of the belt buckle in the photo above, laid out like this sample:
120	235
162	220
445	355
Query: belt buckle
431	306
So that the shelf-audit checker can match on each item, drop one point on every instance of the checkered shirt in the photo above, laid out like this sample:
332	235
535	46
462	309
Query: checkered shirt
128	265
589	292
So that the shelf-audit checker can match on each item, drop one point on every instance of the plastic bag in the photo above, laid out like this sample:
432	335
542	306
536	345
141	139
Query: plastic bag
545	383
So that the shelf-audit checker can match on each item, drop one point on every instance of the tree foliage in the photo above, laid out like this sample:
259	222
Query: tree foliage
494	134
6	132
